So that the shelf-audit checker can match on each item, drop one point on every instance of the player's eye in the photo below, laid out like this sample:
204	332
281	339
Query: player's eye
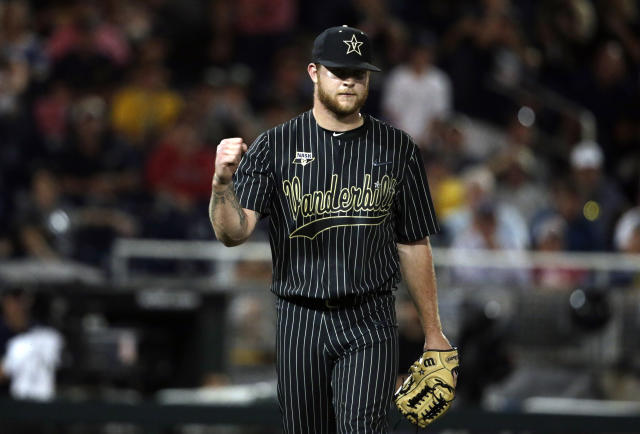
358	74
344	73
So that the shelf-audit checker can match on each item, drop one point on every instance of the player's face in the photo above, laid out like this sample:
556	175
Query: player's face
343	91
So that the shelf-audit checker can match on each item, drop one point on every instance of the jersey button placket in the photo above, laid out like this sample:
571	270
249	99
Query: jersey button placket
333	240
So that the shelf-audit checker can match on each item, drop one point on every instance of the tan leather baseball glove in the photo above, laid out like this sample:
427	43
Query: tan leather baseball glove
430	388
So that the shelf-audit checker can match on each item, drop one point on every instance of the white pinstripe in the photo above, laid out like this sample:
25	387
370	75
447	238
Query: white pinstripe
319	240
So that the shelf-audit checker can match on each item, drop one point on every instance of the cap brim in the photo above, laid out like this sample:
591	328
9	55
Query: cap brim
361	65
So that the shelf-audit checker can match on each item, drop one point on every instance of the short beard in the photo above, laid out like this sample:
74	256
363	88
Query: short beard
332	104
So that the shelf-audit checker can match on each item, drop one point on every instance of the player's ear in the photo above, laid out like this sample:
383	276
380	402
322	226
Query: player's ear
312	69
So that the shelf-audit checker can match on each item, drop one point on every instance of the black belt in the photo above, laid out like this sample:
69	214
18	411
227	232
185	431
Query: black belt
347	301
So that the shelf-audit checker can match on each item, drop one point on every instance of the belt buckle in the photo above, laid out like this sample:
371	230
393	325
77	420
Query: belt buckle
327	303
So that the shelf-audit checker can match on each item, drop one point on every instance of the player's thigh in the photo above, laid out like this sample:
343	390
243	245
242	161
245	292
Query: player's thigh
364	382
304	373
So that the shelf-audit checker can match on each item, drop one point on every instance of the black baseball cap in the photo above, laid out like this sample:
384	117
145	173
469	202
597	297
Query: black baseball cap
343	47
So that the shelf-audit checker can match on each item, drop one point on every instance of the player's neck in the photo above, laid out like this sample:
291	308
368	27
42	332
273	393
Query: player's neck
332	122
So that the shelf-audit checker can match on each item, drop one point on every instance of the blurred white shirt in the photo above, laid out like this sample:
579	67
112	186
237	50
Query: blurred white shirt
412	101
502	275
31	361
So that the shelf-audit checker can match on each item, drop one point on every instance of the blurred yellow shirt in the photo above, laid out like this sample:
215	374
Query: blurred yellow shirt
449	196
139	113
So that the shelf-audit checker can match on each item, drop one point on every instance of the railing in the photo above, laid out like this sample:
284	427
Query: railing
128	249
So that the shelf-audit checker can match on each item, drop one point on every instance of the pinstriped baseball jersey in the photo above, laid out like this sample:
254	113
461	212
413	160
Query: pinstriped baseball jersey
338	203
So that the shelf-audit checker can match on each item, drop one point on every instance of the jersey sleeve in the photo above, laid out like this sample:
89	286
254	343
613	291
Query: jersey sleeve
415	214
253	181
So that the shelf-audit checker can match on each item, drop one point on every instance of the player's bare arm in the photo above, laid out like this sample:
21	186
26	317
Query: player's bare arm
416	263
231	223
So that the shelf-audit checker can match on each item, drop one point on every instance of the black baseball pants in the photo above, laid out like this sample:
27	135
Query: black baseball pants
336	367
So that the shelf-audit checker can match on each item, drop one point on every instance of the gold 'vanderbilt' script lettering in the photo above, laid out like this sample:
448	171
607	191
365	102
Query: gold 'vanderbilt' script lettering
345	200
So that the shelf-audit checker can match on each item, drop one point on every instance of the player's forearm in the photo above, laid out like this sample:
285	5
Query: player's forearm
416	262
227	217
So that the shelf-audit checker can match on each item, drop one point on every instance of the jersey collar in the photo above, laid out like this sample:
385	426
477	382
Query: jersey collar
344	136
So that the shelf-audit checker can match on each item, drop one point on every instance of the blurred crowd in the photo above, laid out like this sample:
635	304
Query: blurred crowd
527	114
110	112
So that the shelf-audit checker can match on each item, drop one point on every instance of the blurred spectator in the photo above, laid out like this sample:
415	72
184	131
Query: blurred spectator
608	91
51	113
18	143
521	140
178	172
96	166
484	46
449	140
43	221
183	25
265	17
620	19
221	38
601	199
227	108
564	30
50	228
581	232
14	78
288	82
19	43
549	235
627	240
180	166
30	352
417	94
480	189
633	245
261	26
624	237
145	107
483	233
15	318
447	189
626	166
432	14
88	54
133	18
85	31
154	50
519	181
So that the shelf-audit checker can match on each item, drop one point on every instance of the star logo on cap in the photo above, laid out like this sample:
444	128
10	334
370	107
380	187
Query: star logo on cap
353	45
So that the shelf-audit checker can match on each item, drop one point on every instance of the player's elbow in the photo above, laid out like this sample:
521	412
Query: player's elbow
229	241
232	243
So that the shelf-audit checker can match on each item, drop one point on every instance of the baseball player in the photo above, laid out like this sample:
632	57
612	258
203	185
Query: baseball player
349	210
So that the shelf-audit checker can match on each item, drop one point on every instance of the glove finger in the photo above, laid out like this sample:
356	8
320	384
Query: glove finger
442	387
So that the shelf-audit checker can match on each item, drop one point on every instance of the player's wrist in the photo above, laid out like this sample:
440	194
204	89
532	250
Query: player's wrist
220	184
436	340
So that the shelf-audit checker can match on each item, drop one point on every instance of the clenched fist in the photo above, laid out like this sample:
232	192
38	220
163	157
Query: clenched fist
228	157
